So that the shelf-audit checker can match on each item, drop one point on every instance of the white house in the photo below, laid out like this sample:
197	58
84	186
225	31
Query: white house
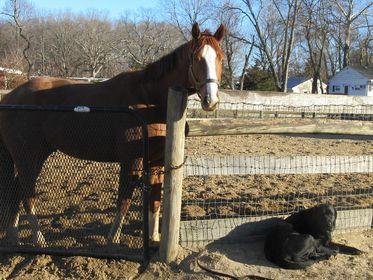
303	85
352	80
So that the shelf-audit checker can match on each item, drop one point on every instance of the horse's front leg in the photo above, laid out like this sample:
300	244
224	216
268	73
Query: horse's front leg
127	184
37	236
12	233
11	213
116	228
156	182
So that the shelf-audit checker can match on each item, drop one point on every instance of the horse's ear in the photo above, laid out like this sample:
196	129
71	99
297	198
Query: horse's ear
196	32
219	34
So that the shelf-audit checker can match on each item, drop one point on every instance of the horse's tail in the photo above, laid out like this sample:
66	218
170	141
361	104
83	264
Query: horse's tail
9	199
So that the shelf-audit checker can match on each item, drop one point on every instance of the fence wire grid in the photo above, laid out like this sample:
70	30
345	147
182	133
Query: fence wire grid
84	172
214	205
251	110
224	196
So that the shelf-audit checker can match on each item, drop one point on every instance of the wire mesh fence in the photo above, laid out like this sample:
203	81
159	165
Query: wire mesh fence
223	195
272	164
74	168
251	110
214	206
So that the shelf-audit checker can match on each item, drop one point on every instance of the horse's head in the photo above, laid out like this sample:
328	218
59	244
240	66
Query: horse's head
206	65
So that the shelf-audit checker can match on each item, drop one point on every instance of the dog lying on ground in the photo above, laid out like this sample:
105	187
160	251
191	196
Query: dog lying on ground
290	249
304	238
319	221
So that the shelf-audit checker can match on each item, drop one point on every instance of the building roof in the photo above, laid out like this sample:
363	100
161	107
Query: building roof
366	71
295	81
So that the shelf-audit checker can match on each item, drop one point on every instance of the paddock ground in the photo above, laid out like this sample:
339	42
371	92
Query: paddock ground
237	259
280	145
263	189
92	186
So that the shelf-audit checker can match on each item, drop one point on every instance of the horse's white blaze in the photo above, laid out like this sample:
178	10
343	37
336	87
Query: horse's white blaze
209	54
154	225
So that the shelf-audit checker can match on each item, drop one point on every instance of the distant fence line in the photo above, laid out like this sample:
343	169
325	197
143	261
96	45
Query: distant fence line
243	109
237	126
270	164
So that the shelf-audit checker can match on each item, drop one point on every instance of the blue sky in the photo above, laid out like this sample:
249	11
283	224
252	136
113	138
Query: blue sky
114	7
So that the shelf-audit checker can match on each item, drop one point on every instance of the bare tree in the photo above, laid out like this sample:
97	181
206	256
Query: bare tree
63	50
233	47
366	45
146	40
183	13
315	30
347	16
95	43
18	11
275	28
246	64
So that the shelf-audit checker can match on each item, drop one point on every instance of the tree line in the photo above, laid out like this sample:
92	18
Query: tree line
267	40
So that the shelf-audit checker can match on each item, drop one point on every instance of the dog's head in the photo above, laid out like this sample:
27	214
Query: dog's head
319	221
324	219
327	217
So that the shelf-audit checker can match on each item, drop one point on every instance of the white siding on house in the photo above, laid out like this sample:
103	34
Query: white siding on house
306	87
303	86
356	83
370	88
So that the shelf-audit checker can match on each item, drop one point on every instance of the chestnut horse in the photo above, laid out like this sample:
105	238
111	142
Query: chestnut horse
196	65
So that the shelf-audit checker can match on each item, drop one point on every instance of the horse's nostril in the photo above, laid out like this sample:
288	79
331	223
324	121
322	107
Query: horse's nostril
205	101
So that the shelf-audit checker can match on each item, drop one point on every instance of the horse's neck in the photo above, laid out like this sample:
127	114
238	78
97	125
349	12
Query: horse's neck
157	90
142	88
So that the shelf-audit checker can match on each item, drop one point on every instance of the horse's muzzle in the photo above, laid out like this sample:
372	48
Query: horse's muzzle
209	106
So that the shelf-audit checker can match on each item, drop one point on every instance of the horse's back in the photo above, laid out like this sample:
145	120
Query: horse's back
117	135
23	94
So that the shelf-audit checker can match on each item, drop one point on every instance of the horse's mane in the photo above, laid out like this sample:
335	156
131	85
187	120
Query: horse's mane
164	65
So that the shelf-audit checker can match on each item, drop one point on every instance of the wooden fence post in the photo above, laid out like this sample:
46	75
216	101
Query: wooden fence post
174	158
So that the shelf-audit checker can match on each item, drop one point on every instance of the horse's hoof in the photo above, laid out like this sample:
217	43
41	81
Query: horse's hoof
156	238
154	244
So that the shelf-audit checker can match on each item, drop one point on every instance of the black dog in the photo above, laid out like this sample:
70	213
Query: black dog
290	249
319	221
305	238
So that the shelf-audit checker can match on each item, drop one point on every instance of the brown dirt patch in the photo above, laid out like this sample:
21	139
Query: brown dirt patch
279	145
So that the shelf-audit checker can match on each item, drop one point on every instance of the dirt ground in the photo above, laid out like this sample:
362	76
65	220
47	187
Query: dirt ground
280	145
232	196
228	258
207	196
234	259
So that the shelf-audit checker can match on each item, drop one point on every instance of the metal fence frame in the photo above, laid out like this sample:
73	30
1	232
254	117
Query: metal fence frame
145	180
